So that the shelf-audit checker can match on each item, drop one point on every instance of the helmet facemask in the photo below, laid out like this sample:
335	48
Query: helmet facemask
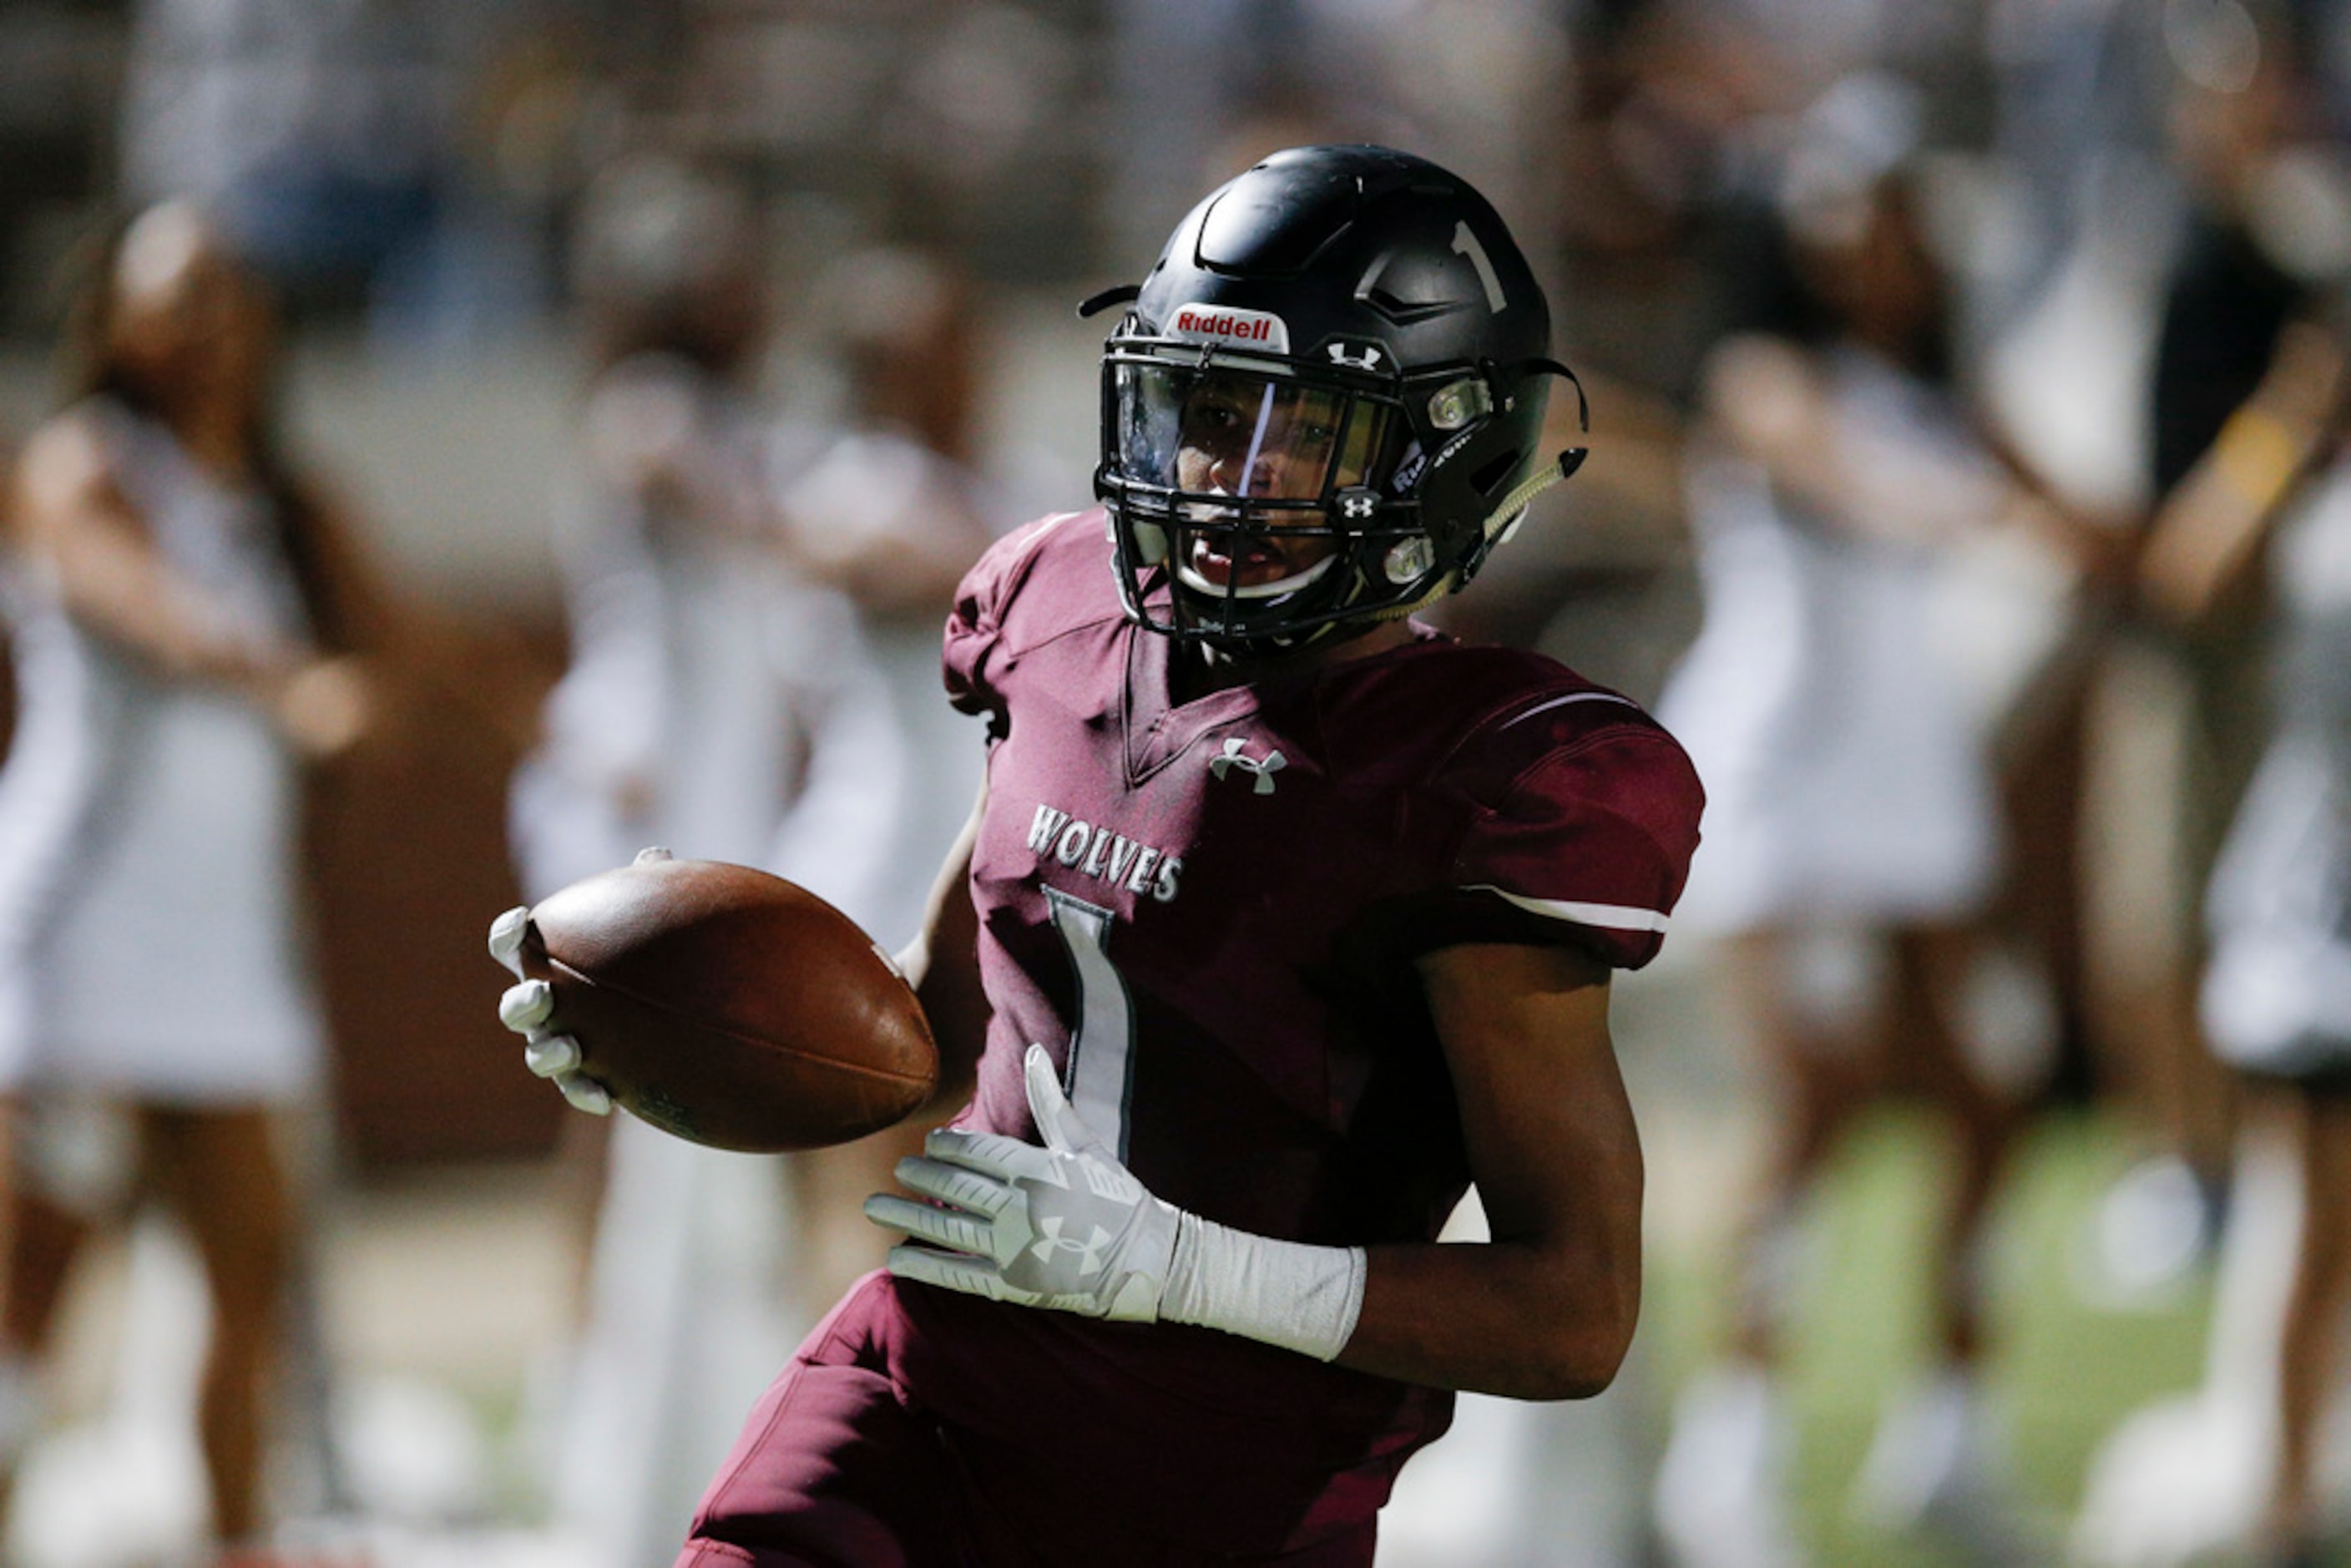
1255	503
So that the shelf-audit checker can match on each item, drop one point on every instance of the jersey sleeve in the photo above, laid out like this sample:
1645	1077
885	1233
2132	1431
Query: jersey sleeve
1586	841
974	651
1593	840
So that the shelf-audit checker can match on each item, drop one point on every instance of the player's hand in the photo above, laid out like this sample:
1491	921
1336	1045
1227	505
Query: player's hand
527	1008
1065	1227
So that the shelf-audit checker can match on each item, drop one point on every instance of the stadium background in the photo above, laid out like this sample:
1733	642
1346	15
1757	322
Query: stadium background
408	169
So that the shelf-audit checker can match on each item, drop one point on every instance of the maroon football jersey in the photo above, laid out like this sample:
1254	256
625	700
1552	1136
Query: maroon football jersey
1209	914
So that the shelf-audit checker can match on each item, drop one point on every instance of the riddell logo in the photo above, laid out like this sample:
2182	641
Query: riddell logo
1214	324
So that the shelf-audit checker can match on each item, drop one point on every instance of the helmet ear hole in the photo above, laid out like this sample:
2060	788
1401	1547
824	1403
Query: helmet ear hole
1495	473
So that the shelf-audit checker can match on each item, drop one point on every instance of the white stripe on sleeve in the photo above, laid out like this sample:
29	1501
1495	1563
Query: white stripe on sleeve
1569	700
1611	916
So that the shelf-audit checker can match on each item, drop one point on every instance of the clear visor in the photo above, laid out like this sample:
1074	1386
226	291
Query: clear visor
1220	431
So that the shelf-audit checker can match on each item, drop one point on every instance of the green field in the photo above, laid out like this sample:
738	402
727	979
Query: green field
2064	1370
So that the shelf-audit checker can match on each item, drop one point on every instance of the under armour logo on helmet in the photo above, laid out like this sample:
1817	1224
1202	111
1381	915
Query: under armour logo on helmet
1357	505
1263	771
1367	356
1088	1251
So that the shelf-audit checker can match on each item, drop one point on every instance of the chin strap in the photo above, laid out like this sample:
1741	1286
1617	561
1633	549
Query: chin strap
1504	520
1445	585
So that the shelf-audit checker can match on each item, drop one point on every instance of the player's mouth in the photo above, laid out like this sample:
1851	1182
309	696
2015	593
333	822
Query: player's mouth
1251	565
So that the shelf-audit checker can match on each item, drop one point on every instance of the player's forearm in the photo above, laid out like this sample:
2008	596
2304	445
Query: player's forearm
942	964
1531	1320
942	967
1506	1318
1545	1310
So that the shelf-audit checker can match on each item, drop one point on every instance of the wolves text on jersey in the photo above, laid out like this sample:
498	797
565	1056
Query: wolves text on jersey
1109	857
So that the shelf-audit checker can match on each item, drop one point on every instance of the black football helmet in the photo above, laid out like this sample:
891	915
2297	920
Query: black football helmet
1322	406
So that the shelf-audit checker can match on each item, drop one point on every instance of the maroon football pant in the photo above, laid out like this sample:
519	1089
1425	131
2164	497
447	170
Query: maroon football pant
835	1469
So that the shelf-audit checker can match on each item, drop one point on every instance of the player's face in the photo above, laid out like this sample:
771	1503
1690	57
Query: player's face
1247	437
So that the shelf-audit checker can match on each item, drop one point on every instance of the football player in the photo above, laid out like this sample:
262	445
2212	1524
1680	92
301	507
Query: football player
1281	920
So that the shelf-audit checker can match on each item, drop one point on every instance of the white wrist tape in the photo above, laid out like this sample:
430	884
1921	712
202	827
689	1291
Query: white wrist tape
1285	1293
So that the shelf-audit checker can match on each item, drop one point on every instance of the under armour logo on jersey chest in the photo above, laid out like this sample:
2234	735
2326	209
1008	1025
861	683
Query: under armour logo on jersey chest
1259	770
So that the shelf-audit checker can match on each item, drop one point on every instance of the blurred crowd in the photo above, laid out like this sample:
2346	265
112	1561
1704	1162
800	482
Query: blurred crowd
1966	383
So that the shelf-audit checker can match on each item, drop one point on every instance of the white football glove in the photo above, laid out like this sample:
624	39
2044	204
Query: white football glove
527	1008
1063	1227
1067	1227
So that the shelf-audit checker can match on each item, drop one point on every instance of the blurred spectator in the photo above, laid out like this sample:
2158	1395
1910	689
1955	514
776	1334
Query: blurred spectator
2242	1463
190	613
882	501
2240	272
2277	995
1852	842
719	703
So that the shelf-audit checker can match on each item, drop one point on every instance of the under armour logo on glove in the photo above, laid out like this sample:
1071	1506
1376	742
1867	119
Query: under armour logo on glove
1005	1217
1233	758
1088	1251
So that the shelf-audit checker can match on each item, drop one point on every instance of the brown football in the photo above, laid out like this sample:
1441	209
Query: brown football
730	1007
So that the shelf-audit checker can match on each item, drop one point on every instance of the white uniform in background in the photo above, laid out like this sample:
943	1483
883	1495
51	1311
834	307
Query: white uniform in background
878	484
150	940
1846	777
152	949
1846	757
721	707
2185	1478
2277	991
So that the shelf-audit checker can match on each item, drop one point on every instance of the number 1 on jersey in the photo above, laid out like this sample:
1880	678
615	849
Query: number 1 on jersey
1101	1072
